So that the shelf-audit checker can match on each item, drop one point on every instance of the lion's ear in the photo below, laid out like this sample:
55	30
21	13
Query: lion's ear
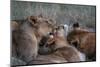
40	15
52	21
76	25
32	19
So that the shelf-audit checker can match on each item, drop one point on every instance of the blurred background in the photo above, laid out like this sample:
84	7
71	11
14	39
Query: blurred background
61	13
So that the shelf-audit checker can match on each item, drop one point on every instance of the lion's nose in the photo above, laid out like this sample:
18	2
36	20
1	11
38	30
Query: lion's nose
50	33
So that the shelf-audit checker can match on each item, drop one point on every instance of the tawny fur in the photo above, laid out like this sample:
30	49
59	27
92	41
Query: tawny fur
84	41
61	48
25	40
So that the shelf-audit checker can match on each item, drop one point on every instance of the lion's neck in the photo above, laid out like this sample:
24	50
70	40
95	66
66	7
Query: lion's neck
38	35
61	42
31	30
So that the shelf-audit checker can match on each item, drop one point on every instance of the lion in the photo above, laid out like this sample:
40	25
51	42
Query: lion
26	38
58	46
83	40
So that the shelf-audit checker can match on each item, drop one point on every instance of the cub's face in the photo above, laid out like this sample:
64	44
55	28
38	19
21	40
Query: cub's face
42	25
49	45
59	31
75	35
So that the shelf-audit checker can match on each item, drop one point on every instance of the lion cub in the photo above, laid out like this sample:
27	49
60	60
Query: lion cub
83	40
60	47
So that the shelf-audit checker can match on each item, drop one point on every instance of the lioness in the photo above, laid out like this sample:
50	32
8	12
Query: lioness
83	40
26	38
